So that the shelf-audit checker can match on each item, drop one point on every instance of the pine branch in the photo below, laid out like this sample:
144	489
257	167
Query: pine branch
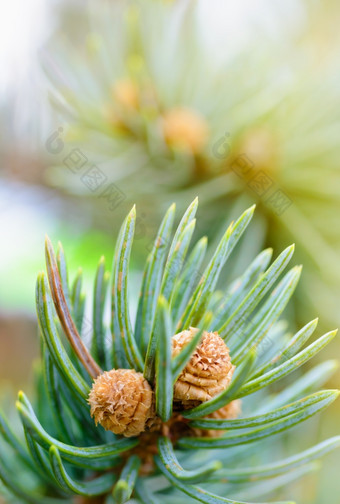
170	400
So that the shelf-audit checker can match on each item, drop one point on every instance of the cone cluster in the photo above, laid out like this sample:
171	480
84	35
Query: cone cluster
122	400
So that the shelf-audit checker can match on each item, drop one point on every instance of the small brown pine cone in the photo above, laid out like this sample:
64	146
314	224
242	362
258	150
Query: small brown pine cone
126	94
121	401
185	129
228	412
154	423
208	372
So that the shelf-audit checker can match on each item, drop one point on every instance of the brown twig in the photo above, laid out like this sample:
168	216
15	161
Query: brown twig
88	500
64	314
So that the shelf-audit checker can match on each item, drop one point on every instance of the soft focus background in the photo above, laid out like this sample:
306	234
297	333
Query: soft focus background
108	103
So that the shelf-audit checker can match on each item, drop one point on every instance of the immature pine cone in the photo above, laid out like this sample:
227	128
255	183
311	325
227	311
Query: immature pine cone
228	412
185	129
121	401
126	94
208	372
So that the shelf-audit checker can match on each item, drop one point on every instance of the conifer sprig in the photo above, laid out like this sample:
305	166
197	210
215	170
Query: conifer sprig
65	454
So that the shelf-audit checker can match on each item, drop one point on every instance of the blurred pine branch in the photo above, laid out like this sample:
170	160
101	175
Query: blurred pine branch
162	118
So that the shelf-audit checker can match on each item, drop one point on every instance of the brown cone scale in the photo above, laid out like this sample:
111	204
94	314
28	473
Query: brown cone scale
228	412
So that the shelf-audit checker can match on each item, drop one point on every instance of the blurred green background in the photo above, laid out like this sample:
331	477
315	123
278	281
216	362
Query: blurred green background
108	103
